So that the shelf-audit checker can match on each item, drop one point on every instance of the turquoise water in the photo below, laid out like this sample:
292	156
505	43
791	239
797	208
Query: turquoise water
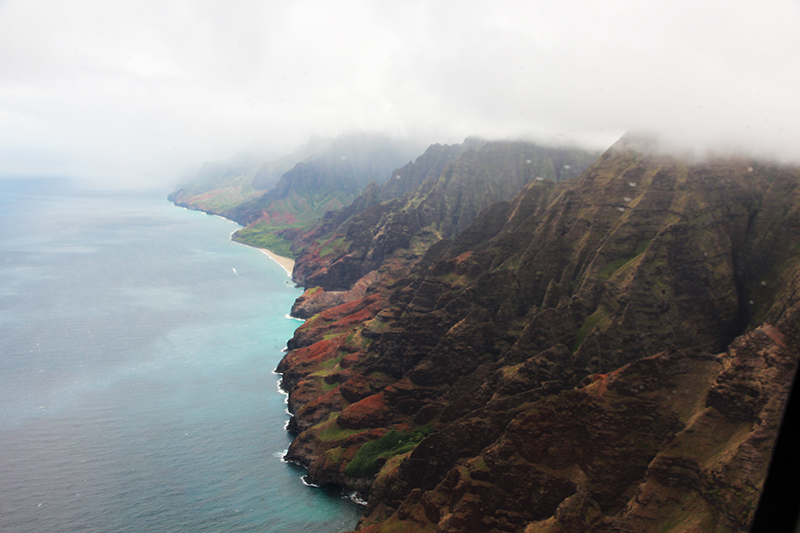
137	393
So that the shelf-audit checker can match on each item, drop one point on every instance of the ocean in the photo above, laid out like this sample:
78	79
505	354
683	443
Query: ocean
137	392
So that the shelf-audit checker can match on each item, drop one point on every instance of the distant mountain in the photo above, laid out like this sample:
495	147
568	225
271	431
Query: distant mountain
329	182
268	174
434	198
607	353
219	187
329	177
216	187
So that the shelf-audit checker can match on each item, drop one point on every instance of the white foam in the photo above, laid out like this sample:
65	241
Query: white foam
353	497
308	483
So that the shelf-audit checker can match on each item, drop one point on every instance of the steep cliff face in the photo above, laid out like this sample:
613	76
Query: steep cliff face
216	188
442	193
317	247
297	189
219	187
333	179
610	353
651	446
329	182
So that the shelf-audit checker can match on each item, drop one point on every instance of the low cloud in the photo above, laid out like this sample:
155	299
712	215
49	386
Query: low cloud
138	91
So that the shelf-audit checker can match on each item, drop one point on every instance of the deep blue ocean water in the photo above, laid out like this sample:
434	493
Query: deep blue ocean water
137	393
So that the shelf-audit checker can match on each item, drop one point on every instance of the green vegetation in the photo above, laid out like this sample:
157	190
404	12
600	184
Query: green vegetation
219	189
335	454
327	367
641	247
224	199
420	243
264	235
617	264
452	278
377	325
332	431
588	325
367	461
479	463
332	246
612	267
311	322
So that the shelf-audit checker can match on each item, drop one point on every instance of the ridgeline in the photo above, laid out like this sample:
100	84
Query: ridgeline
506	337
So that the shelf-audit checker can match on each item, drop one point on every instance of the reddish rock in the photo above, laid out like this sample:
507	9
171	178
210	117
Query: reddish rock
304	361
369	412
317	299
527	343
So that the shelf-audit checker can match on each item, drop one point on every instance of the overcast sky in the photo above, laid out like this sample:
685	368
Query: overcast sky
137	91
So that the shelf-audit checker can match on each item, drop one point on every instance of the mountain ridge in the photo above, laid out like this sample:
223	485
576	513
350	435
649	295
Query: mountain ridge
454	184
295	189
654	300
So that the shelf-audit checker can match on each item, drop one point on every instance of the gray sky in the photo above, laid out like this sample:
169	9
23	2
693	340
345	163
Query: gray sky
137	91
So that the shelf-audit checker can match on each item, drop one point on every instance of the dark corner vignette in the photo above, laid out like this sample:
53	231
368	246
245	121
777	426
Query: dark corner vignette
779	508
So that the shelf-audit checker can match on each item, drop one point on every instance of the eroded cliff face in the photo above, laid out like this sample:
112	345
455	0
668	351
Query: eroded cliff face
608	354
435	197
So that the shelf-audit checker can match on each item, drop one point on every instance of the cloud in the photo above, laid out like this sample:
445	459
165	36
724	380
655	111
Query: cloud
129	91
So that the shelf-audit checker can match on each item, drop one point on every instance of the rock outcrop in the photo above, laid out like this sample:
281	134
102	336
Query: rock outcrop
436	197
296	189
219	187
610	353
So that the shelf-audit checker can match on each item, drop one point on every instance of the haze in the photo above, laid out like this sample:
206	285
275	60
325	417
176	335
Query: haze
134	93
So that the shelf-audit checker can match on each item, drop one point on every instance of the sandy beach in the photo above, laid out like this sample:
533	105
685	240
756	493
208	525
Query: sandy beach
285	262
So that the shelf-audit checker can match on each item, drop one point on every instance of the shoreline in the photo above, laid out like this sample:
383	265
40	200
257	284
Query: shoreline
285	263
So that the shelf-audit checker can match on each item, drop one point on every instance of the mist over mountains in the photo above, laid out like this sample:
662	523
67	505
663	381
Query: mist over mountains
503	336
134	94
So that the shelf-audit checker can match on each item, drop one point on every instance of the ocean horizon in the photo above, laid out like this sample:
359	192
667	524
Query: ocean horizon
137	389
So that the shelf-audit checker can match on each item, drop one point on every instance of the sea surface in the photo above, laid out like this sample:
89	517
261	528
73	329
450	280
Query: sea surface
137	393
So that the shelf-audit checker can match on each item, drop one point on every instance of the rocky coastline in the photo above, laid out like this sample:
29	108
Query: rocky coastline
508	338
612	353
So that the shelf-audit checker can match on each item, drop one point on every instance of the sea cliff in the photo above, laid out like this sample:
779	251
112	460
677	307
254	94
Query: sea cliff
501	336
606	353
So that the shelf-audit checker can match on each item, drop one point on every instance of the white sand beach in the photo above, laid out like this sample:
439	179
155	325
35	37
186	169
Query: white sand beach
285	262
